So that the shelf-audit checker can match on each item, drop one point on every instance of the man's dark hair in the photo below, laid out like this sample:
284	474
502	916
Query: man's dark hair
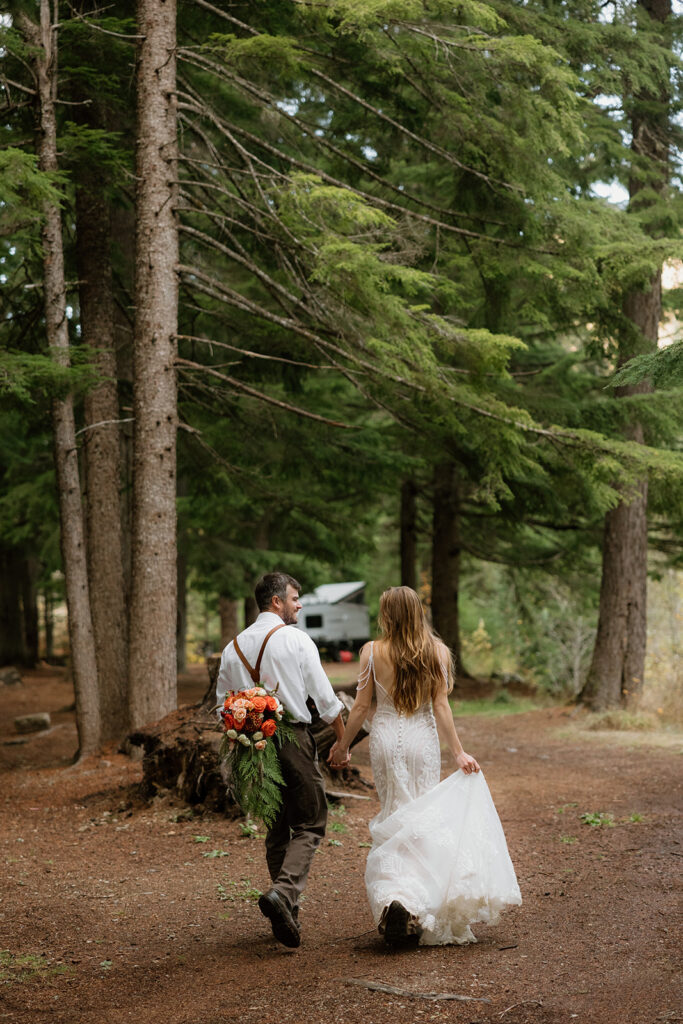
273	584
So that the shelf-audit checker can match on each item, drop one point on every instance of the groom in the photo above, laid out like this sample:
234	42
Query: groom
288	659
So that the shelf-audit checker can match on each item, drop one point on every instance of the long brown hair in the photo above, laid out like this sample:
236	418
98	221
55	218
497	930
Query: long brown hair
414	649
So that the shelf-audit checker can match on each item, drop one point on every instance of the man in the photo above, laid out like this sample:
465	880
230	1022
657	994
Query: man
290	662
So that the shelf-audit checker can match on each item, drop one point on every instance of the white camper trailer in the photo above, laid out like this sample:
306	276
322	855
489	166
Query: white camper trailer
336	617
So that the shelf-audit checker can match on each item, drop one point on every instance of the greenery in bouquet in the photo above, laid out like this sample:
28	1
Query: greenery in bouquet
256	726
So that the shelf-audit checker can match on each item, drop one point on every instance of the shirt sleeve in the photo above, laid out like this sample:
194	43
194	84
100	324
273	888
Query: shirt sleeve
223	683
317	684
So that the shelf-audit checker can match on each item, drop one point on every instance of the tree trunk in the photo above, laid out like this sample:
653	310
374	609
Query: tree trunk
81	639
408	534
617	668
48	624
227	609
251	611
152	675
29	604
181	611
446	560
102	459
123	253
12	648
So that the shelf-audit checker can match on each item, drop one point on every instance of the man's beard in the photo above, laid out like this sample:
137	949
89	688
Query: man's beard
289	618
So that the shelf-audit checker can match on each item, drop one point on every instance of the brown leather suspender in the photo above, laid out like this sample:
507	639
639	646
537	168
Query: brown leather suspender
255	672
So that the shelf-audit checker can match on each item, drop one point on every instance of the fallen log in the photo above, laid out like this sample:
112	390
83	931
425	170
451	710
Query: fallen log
181	754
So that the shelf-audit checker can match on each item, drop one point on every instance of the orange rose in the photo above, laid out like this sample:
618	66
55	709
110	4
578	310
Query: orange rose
269	727
271	703
259	703
228	720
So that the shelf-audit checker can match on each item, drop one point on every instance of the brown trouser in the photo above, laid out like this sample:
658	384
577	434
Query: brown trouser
300	825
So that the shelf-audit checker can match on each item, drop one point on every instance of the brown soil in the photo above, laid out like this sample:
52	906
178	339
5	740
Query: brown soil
114	911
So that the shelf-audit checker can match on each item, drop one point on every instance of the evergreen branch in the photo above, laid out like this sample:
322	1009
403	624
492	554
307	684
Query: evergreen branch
424	143
277	290
103	423
239	386
256	355
198	107
4	80
77	16
201	61
219	291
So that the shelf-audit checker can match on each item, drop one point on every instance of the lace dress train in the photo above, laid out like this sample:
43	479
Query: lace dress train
437	847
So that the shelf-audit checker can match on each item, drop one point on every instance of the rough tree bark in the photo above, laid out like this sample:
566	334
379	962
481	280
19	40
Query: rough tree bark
181	611
123	252
102	459
617	668
152	665
408	534
81	638
446	549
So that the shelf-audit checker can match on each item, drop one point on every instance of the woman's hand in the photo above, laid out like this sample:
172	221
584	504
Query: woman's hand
339	757
467	763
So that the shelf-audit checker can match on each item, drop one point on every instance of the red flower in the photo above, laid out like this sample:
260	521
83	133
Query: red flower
228	720
253	722
259	703
269	727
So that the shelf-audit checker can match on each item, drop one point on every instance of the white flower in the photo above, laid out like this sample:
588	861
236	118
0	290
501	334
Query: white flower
257	736
231	734
260	745
244	740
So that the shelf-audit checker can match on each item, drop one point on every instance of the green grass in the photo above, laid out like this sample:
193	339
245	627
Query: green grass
598	819
27	967
500	704
242	890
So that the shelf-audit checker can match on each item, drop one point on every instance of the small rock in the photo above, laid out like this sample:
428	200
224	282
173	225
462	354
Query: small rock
32	723
10	676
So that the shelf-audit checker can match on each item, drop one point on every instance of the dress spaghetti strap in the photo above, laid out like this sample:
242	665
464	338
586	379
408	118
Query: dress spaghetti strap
369	670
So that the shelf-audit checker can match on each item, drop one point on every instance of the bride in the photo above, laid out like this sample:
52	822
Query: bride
439	860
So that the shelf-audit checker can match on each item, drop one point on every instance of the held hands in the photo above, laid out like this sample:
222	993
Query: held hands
339	757
467	763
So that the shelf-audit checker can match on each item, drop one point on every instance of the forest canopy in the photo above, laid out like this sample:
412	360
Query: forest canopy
358	290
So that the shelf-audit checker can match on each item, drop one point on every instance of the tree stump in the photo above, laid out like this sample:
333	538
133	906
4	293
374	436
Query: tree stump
181	754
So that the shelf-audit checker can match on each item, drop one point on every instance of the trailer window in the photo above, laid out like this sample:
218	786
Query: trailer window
314	621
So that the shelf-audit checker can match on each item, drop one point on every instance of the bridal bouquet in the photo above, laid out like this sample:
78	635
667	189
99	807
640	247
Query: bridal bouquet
256	725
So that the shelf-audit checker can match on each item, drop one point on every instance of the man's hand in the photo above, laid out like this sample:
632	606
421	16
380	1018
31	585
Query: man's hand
338	757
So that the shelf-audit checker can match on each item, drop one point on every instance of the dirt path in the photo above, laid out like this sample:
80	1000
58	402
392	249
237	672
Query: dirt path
113	912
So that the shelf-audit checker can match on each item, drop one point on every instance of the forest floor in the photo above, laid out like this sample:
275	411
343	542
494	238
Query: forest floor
113	910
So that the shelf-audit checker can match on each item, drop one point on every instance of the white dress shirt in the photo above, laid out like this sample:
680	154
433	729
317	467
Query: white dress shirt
290	662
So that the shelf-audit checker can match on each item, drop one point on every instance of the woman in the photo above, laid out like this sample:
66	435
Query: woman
439	860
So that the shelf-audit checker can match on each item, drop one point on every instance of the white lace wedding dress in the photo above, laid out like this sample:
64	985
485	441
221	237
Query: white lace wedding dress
437	847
